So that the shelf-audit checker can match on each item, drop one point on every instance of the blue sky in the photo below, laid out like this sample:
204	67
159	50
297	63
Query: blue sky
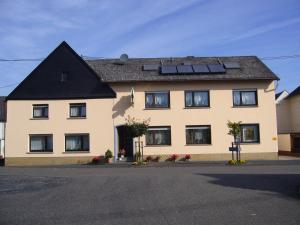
149	28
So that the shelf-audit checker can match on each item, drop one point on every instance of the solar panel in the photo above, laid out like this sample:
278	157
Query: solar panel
168	69
184	69
232	65
150	67
216	68
200	69
187	63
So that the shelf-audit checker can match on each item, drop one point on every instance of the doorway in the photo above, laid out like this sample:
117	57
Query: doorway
125	141
295	143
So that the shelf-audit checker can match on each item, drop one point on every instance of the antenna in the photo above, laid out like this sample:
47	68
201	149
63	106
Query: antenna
124	58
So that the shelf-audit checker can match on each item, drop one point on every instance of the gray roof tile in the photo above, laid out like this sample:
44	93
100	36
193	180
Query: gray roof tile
111	70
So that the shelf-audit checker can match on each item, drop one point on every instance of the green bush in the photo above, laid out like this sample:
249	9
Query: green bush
236	162
108	154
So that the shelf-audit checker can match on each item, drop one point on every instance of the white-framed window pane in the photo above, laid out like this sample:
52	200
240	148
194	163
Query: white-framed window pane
37	112
74	111
201	98
149	100
77	142
248	98
37	143
198	135
250	133
188	99
236	98
158	136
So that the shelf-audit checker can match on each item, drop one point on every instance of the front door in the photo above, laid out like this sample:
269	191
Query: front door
125	141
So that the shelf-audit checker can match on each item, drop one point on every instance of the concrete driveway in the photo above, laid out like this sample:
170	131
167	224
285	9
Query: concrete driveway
259	193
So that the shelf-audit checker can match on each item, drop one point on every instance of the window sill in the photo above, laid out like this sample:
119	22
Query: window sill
197	107
244	106
76	118
157	145
249	143
197	144
40	118
70	152
39	152
157	108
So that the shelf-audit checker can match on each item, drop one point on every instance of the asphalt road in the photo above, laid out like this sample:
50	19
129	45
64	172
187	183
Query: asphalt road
265	194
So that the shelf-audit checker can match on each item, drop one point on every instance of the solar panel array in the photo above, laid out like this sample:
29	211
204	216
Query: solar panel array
189	68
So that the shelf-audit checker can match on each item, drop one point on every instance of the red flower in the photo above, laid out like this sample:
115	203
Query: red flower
174	157
96	159
187	157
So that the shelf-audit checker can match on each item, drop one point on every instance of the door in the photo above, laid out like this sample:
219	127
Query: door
125	141
295	143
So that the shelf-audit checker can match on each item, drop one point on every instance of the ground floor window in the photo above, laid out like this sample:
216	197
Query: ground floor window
198	134
77	142
158	135
249	133
41	143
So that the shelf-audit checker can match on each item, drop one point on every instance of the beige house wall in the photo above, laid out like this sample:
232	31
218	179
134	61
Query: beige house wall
295	113
283	116
103	115
284	142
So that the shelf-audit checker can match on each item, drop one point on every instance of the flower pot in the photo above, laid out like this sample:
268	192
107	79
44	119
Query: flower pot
109	160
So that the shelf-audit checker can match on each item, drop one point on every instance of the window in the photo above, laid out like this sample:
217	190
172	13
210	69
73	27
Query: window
40	111
249	133
158	136
78	110
64	76
196	98
77	142
244	97
198	134
41	143
157	100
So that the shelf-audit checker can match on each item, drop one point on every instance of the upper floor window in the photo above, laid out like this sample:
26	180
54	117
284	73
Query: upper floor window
78	110
157	99
77	142
196	98
244	97
198	134
41	143
249	133
40	111
158	136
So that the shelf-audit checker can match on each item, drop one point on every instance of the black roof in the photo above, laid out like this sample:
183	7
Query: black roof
45	81
2	109
295	92
113	70
278	94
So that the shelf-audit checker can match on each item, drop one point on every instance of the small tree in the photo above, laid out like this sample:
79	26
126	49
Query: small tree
235	131
137	129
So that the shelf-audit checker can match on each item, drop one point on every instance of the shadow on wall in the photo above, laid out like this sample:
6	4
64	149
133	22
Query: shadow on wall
283	184
120	107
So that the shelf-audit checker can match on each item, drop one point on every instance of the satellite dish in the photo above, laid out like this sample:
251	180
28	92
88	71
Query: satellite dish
124	57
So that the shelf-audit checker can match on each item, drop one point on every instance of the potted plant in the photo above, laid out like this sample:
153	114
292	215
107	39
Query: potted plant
108	156
122	153
174	157
187	157
235	131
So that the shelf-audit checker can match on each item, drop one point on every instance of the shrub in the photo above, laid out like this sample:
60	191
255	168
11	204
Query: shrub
236	162
174	157
187	157
108	154
156	159
149	158
96	160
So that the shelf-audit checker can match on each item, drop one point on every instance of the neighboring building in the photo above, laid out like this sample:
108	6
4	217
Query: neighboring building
2	125
69	110
288	121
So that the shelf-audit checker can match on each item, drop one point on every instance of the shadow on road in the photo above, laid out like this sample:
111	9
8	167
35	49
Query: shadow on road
283	184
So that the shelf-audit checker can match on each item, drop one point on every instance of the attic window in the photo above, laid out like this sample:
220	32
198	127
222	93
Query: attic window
64	76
